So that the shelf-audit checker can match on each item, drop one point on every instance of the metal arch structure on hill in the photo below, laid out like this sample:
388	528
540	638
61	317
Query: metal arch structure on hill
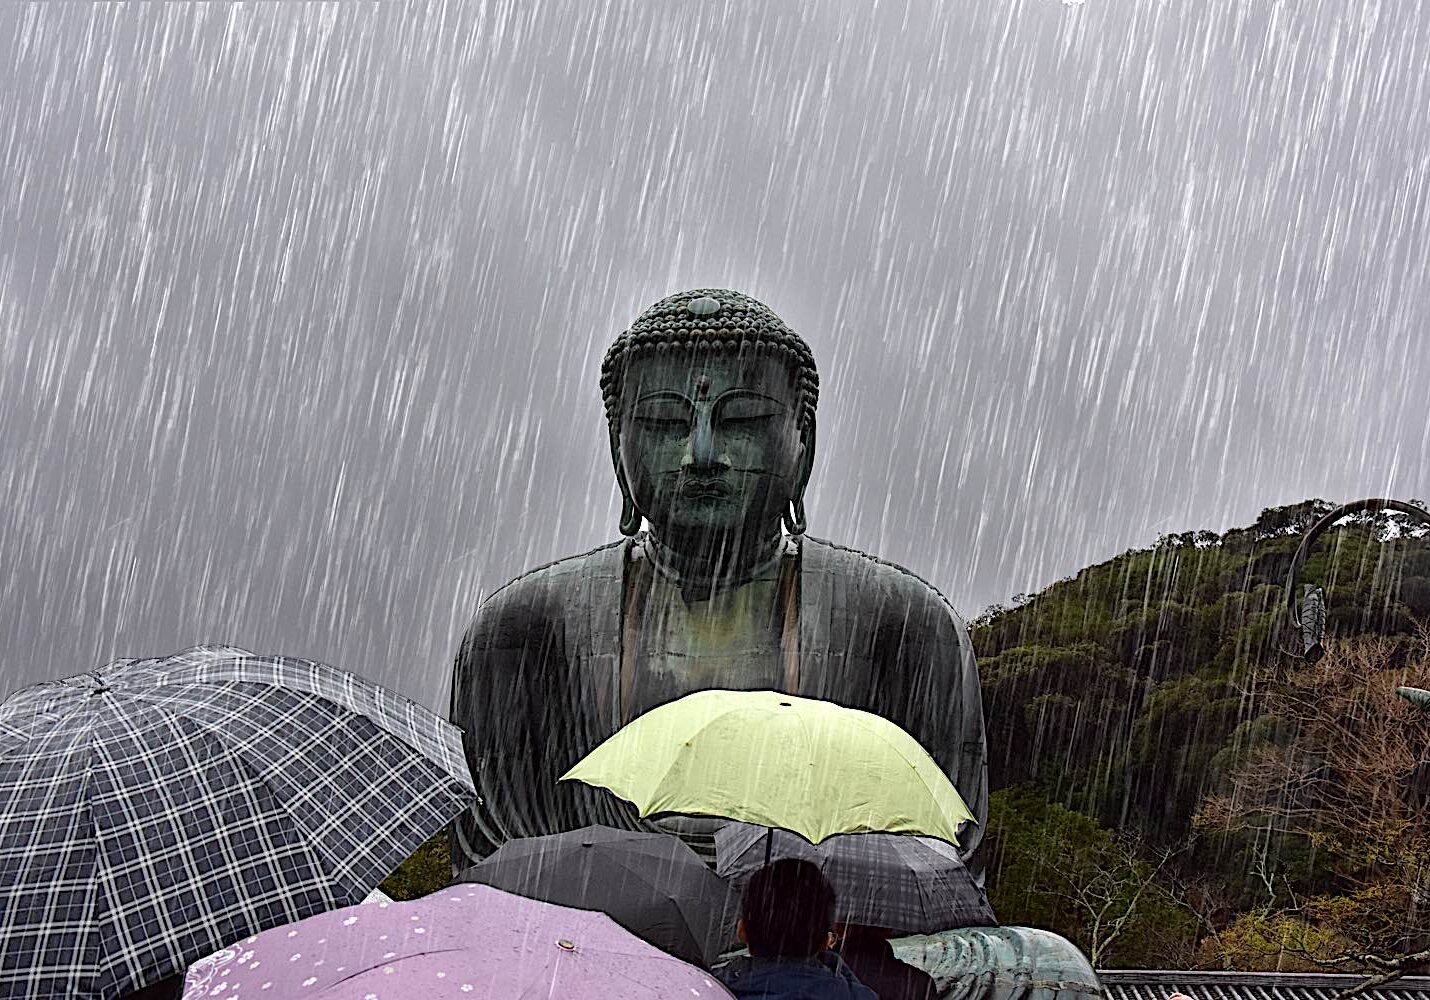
1308	623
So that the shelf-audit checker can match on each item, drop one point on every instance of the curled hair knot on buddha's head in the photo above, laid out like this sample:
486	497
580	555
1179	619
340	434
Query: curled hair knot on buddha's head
710	320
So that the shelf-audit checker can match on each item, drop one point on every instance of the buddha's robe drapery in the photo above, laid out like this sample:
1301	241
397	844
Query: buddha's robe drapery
538	682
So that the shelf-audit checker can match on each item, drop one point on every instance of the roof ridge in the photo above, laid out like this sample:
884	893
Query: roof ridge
1304	980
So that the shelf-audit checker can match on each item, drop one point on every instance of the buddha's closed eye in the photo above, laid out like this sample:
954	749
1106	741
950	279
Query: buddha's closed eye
661	423
749	409
663	411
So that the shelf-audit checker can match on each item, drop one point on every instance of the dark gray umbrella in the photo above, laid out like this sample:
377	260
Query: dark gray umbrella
909	885
651	884
156	810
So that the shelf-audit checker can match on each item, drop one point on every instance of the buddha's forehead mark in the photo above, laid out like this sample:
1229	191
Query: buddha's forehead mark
702	387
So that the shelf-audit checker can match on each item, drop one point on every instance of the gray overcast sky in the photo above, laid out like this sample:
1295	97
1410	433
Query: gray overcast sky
301	306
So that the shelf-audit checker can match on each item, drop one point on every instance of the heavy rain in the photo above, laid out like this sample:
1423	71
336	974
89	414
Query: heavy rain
303	307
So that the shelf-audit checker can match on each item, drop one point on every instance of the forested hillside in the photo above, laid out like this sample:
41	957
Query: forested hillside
1140	717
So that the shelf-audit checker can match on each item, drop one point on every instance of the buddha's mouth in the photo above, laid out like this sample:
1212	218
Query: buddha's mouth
705	489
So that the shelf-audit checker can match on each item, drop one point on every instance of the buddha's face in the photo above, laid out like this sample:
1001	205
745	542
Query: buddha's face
710	443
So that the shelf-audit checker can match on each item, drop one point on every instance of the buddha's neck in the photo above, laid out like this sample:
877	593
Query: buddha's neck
708	569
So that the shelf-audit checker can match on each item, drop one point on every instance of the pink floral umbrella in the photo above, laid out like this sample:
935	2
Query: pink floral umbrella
462	943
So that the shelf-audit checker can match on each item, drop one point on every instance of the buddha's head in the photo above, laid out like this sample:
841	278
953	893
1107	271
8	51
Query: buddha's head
710	400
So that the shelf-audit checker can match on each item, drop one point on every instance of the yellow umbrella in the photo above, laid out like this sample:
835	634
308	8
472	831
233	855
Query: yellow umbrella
780	761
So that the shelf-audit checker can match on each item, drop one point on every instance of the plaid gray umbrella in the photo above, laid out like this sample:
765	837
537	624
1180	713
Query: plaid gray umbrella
910	885
156	810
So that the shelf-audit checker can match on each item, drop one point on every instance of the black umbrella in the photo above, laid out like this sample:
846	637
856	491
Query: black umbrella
155	810
909	885
650	883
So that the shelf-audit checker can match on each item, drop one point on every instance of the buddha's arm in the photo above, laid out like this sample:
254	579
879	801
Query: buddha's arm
942	702
507	695
972	771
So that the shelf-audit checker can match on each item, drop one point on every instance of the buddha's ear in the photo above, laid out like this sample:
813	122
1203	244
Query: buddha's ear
794	518
630	517
806	459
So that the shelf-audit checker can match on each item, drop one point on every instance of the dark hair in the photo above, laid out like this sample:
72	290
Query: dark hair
788	910
710	320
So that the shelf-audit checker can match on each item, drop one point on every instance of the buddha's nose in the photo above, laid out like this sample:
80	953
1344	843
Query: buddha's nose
704	450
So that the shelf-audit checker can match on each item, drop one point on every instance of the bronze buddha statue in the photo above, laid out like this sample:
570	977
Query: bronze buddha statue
710	401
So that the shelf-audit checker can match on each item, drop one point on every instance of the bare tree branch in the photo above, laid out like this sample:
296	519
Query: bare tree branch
1391	970
1340	771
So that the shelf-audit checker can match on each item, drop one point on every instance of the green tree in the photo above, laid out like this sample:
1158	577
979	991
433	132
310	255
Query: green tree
427	870
1058	869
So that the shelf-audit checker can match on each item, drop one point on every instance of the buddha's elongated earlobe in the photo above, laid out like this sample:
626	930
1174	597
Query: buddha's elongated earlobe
630	517
794	517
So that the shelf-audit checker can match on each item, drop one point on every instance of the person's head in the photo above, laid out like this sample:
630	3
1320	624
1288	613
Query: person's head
710	403
787	911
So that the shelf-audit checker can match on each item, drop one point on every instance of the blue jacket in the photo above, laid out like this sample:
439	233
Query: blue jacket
823	977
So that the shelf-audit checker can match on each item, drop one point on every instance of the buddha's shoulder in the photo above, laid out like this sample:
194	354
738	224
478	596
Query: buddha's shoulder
551	587
879	583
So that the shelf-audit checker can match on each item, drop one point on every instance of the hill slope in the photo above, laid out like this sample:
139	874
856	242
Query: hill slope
1129	693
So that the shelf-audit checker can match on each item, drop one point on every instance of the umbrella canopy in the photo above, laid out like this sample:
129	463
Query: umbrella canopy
777	760
909	885
650	883
155	810
468	941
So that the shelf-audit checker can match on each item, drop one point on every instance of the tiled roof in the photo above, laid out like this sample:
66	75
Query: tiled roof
1139	984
